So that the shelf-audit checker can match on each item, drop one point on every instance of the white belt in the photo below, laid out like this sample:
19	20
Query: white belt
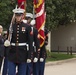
19	44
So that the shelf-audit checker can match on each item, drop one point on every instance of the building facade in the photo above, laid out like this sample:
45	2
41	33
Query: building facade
64	38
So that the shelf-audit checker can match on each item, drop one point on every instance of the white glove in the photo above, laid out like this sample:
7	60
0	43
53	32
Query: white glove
35	60
32	22
41	59
7	43
24	21
28	60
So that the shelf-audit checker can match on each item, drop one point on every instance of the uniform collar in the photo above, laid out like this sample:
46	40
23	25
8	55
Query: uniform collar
18	23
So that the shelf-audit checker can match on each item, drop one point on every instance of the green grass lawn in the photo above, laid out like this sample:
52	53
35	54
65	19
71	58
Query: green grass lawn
54	56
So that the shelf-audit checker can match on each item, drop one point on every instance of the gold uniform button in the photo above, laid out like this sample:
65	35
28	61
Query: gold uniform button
17	34
17	41
17	31
17	38
17	28
18	25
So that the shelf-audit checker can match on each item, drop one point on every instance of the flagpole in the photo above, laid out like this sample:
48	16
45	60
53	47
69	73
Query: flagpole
25	9
33	13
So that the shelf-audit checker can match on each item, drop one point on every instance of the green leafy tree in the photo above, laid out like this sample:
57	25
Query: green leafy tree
59	12
6	7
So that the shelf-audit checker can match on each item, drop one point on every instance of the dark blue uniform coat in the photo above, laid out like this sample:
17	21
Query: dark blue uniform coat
21	34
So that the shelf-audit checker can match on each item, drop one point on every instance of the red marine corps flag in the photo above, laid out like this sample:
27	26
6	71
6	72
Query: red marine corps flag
40	18
21	3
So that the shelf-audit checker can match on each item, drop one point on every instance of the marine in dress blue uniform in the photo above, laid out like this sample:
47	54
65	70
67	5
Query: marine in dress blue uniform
43	54
5	64
36	47
18	55
29	65
35	43
36	64
1	46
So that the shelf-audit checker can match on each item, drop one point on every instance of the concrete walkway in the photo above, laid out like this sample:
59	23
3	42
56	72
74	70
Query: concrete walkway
60	61
63	67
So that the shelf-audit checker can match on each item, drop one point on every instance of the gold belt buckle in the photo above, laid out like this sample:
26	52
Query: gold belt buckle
16	44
